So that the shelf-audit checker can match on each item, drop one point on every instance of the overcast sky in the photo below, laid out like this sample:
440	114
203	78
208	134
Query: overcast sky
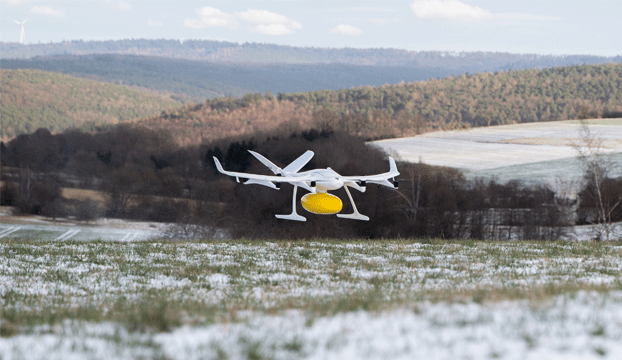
517	26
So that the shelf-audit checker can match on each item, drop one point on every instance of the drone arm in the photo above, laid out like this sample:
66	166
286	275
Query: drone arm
267	183
304	185
263	179
380	179
356	186
240	175
385	182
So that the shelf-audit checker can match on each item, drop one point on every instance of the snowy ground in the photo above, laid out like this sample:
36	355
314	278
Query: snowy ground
41	227
524	151
310	300
583	326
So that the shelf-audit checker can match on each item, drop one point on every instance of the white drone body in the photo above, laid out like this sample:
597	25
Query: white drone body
317	182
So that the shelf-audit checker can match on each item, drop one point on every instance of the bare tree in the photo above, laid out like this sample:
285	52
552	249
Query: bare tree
411	197
121	185
325	120
419	123
566	202
597	169
404	121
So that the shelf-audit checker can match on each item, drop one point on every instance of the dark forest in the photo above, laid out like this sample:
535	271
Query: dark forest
145	175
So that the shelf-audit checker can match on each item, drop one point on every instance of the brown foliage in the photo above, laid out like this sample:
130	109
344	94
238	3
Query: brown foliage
32	99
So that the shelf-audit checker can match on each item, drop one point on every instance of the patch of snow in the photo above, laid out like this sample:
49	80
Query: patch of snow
488	151
217	281
577	326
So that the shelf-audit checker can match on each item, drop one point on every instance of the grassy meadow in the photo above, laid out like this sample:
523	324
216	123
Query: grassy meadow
256	300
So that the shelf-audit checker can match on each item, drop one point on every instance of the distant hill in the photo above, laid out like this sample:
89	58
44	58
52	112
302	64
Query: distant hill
32	98
197	80
221	51
202	69
481	99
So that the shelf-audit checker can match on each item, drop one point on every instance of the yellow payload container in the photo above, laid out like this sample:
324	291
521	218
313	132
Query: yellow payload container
321	203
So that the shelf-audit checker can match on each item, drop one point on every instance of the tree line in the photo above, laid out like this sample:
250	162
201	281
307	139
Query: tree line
144	174
223	51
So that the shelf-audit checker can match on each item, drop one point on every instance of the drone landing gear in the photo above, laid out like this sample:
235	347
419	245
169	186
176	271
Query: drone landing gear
356	215
293	215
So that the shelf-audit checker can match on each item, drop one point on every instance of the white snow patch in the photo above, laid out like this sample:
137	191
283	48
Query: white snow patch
218	281
579	326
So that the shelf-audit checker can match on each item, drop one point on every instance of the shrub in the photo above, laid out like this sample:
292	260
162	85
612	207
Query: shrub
88	210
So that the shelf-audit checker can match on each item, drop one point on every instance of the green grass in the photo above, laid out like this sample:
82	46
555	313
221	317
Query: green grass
156	286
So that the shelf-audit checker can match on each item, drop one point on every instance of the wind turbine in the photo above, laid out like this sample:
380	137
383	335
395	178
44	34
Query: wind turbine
22	34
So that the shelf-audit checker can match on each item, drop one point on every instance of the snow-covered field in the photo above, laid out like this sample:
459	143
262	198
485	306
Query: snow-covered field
41	227
66	232
310	300
540	151
583	326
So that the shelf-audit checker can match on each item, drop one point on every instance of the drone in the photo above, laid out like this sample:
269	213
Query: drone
317	182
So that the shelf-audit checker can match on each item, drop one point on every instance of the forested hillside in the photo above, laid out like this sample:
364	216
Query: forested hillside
32	99
220	51
405	109
197	80
484	99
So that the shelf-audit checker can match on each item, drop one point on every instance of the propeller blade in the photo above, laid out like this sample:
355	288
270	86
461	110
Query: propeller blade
269	164
299	163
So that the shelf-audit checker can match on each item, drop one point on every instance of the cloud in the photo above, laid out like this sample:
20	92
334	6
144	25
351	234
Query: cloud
210	17
344	29
254	16
457	10
46	10
448	9
258	21
272	29
268	23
